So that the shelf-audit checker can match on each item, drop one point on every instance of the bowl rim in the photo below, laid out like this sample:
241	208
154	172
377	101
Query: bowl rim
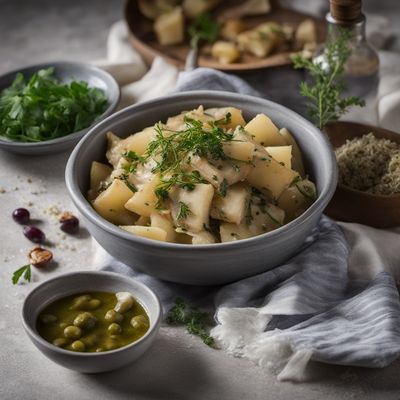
106	77
86	209
31	331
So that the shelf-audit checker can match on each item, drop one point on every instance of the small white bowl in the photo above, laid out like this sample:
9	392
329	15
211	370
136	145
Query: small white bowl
78	282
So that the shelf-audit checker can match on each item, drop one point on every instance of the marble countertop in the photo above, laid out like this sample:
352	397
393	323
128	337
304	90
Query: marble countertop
178	366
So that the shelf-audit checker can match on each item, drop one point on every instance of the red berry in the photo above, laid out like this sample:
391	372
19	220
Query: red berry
21	216
34	234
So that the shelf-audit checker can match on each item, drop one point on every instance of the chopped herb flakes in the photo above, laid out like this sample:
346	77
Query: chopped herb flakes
184	210
194	320
223	188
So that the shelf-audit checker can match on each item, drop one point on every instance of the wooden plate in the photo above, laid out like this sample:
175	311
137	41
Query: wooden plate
143	39
352	205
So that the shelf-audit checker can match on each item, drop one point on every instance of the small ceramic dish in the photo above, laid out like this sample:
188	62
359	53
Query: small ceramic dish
65	71
352	205
206	264
78	282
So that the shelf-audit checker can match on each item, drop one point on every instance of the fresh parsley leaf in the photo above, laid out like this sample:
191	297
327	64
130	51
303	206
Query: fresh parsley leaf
325	101
45	108
24	271
193	319
204	27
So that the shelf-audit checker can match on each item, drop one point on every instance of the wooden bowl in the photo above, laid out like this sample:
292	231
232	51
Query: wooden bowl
350	205
144	41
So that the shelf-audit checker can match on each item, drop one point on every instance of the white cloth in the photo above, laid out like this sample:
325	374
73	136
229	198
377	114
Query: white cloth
242	330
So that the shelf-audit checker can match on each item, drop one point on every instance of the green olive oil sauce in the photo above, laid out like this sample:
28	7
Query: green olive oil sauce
87	322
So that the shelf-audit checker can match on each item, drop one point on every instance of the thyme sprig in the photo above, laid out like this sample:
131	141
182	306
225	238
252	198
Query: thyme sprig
325	100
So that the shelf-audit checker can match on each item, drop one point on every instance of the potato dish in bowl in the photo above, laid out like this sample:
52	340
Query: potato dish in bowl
203	176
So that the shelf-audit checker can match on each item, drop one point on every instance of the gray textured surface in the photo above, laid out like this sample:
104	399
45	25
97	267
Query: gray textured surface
178	366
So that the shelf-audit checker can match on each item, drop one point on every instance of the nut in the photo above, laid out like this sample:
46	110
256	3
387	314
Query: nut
66	216
38	256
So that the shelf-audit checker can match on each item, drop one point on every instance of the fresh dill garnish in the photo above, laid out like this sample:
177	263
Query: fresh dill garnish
184	211
132	156
223	121
223	187
24	271
183	180
205	28
325	101
170	148
194	320
125	179
133	159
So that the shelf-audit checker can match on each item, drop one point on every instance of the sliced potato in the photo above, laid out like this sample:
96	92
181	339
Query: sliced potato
144	201
223	173
231	28
282	154
231	232
110	204
246	8
197	202
232	207
242	151
148	232
255	43
225	52
194	8
99	173
297	198
154	8
170	27
202	237
269	176
236	117
164	222
144	221
262	218
264	131
306	32
297	158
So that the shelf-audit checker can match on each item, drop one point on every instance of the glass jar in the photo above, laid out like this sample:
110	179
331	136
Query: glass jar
362	67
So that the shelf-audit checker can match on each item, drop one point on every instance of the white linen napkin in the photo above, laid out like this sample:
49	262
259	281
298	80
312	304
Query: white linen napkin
373	265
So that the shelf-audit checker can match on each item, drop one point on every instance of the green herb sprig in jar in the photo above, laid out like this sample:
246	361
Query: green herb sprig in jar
326	102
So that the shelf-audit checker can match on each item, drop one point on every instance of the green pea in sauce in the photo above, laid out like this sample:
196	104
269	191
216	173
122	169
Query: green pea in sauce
91	331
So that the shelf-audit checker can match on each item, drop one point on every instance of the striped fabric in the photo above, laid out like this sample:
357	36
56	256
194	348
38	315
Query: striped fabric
305	309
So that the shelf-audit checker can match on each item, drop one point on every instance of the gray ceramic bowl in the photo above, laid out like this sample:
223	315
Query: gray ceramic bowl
202	264
65	71
78	282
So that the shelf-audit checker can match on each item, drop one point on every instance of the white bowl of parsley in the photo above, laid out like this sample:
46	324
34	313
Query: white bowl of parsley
48	108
